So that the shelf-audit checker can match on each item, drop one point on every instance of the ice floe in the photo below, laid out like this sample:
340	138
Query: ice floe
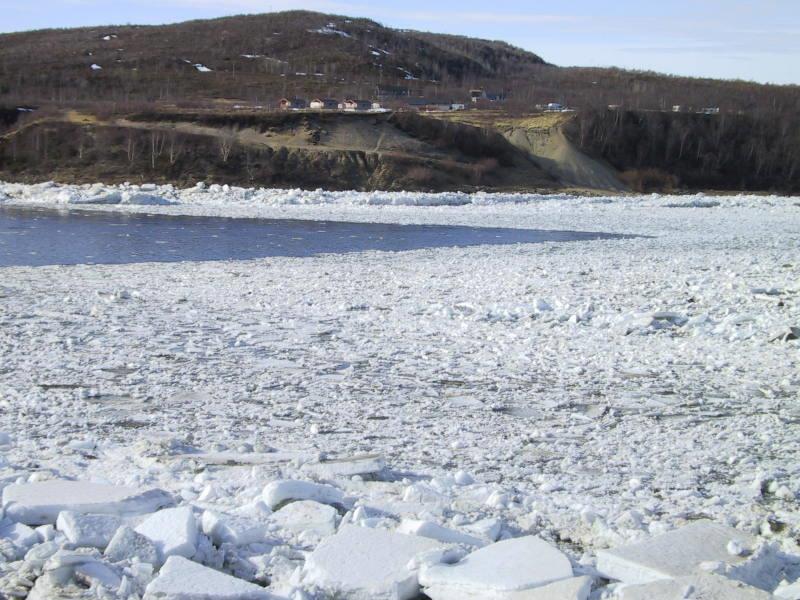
173	531
673	554
498	571
182	579
41	502
362	563
278	493
360	424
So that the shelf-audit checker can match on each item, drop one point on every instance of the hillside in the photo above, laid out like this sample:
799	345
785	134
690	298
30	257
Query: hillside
254	58
386	151
203	79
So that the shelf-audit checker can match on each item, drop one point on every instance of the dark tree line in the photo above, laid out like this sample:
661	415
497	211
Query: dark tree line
726	151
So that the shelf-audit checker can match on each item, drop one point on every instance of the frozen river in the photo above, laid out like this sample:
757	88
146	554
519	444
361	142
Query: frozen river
37	237
551	403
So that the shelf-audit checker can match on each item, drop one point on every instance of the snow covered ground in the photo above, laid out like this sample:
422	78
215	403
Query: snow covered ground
593	394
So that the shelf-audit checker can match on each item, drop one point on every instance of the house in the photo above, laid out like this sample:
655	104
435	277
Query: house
356	105
485	100
554	107
476	95
377	106
292	103
324	104
712	110
677	108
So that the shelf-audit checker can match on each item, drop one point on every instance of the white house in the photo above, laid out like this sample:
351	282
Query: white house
324	104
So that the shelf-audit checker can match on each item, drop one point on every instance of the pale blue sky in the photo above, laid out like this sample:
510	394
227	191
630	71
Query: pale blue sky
756	39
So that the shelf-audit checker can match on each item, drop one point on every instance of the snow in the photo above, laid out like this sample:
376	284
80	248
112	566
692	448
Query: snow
41	502
182	579
96	67
367	564
172	530
88	531
672	554
492	415
330	29
508	566
202	68
277	493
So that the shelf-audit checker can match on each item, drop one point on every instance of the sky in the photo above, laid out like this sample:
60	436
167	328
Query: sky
756	40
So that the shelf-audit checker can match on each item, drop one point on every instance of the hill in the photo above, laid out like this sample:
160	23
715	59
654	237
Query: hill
216	80
254	58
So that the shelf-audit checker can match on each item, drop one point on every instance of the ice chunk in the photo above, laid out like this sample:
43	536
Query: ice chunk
673	554
429	529
96	571
700	585
787	591
278	493
307	515
574	588
40	503
126	544
88	530
232	529
348	467
509	566
366	564
488	529
182	579
173	531
22	535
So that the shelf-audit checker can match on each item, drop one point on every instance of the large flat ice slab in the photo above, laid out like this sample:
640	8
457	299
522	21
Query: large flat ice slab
574	588
182	579
93	531
702	585
126	544
673	554
367	564
346	467
307	516
173	531
435	531
493	571
40	503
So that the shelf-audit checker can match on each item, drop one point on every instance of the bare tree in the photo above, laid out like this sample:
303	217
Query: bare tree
157	141
130	147
227	140
175	148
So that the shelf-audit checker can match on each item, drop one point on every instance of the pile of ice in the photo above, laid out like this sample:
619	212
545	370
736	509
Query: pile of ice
224	195
347	537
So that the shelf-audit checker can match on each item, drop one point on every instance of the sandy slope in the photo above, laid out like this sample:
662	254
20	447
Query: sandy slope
552	151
